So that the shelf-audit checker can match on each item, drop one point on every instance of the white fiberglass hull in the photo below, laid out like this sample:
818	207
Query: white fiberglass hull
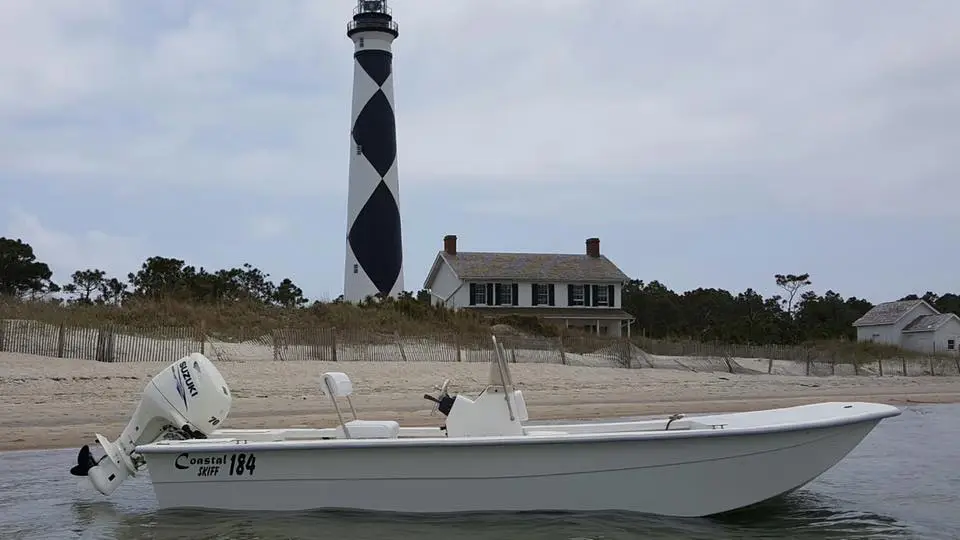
678	473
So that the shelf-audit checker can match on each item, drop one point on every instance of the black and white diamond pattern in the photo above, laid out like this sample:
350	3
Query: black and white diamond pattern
374	233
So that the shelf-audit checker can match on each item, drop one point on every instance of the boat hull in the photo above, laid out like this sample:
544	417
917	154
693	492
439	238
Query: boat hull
682	475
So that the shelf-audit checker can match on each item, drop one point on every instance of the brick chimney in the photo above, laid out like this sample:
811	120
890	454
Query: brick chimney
450	244
593	247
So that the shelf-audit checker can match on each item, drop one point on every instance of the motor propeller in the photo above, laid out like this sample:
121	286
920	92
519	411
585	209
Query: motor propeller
85	462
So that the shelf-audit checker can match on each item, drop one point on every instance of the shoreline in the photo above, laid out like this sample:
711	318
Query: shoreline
56	403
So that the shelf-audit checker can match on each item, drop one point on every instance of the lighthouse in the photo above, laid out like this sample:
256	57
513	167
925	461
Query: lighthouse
374	258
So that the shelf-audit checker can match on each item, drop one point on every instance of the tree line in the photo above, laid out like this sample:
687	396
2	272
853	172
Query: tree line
704	314
159	278
797	316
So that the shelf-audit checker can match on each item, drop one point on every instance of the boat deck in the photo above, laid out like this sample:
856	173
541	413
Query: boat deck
800	417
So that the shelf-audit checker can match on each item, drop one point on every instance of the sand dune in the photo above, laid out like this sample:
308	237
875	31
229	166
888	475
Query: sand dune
53	402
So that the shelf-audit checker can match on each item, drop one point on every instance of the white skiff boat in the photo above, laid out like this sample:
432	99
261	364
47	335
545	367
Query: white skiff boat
486	457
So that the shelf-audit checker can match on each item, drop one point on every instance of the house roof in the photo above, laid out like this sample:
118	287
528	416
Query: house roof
554	312
889	312
928	323
530	267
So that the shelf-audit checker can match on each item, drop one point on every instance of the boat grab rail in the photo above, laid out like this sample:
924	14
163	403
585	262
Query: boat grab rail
505	379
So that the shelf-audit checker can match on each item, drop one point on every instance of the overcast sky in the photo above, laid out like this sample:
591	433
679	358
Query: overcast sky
707	144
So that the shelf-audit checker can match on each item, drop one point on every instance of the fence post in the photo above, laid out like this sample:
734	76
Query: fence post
396	337
770	365
931	367
625	352
60	336
203	336
318	343
105	345
903	360
276	346
456	342
333	343
3	331
563	356
101	346
880	364
111	345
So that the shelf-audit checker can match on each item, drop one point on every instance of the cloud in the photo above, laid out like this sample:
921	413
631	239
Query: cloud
266	227
67	251
220	95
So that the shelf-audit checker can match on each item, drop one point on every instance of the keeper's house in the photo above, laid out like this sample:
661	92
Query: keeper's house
573	290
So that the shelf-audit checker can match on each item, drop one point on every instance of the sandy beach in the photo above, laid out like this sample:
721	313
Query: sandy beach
56	403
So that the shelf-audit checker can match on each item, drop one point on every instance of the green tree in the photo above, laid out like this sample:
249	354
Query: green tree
289	295
112	291
760	320
21	274
84	283
158	278
171	278
792	283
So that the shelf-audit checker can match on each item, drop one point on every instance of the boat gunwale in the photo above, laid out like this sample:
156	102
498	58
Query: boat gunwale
875	412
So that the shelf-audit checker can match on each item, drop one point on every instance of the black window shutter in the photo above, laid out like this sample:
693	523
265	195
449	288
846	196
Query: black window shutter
551	294
586	295
515	294
569	295
473	291
489	294
496	294
610	297
534	289
596	288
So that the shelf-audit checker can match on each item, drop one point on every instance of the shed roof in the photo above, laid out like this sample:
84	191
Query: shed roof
888	312
928	323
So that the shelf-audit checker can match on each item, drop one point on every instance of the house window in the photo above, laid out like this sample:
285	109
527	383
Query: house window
951	344
359	150
479	295
543	295
576	295
505	294
601	299
361	42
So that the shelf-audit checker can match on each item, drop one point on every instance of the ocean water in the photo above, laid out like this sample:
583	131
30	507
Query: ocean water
903	481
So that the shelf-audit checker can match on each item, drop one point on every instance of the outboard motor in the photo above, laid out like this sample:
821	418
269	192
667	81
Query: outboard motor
188	400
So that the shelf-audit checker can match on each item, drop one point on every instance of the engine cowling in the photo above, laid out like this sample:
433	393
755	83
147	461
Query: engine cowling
188	400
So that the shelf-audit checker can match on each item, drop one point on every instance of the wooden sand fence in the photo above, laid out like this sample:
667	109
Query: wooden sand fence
115	343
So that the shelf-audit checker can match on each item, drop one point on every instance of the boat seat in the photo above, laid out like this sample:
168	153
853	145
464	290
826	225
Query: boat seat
371	429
